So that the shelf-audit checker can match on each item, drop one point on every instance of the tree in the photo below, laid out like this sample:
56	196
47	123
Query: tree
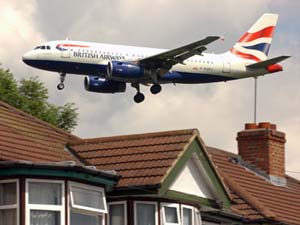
31	96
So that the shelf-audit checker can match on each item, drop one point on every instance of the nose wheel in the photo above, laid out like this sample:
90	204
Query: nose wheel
61	85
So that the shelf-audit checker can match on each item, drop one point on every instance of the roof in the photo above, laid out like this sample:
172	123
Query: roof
141	159
254	196
24	137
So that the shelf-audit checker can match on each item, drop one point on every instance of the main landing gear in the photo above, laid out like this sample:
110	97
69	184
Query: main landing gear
61	85
139	97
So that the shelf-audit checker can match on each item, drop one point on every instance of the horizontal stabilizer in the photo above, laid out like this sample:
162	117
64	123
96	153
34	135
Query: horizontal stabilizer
268	62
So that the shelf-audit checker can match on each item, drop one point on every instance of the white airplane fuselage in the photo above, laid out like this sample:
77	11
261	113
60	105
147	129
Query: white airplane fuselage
86	58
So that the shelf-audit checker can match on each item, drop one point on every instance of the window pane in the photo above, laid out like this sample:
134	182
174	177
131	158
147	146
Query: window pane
40	217
145	214
8	217
45	193
187	216
198	218
87	198
8	193
82	219
171	214
116	214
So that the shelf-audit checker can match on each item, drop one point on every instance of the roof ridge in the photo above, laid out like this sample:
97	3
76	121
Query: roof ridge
35	119
249	198
133	136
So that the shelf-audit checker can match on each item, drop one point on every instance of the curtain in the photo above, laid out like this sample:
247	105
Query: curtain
187	216
171	214
45	193
40	217
8	217
88	198
145	214
82	219
8	193
116	214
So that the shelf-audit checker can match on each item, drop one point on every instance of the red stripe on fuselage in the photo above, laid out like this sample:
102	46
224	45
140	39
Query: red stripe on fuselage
74	45
264	33
244	55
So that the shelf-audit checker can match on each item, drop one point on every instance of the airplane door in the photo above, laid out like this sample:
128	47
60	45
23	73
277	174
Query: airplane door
66	53
226	67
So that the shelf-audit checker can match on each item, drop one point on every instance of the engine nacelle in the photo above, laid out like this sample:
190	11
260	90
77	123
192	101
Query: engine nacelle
124	70
101	85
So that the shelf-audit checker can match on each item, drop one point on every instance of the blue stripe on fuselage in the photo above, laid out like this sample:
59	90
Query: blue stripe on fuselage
98	69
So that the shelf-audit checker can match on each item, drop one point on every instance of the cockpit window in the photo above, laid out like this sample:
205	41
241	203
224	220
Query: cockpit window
43	47
48	47
37	47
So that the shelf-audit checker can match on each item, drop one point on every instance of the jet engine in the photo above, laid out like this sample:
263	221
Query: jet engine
101	85
124	70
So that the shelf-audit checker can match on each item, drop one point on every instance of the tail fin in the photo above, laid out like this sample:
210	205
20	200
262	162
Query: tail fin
255	44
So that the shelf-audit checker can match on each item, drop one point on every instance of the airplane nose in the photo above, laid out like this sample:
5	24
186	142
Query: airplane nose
27	58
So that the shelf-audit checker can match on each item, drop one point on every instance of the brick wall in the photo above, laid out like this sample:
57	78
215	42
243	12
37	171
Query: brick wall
263	146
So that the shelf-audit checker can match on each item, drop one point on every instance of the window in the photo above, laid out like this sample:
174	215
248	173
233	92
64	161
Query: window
117	213
87	204
9	200
170	214
145	213
187	215
48	47
44	202
43	47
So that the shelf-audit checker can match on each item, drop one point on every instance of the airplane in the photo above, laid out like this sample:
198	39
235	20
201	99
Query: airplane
109	67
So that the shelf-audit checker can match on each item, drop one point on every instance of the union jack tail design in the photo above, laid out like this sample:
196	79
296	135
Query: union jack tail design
255	44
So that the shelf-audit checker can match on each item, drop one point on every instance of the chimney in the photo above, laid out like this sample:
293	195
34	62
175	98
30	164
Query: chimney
262	146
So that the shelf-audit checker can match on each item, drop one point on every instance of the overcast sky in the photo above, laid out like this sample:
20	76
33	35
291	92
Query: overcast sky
218	110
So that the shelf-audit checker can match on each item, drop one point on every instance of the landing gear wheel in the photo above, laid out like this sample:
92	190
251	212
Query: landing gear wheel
155	89
139	97
60	86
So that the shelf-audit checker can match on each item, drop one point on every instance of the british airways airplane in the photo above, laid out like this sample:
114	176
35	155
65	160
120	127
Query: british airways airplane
109	67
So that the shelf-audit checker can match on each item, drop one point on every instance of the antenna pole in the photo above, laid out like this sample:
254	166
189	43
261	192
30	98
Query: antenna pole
255	98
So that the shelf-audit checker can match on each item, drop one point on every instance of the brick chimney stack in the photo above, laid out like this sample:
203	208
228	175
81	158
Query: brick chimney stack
262	146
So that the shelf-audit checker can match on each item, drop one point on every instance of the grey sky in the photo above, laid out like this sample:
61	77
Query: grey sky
217	110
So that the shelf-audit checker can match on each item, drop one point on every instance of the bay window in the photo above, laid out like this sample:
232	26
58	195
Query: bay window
145	213
117	213
170	214
9	201
87	204
45	202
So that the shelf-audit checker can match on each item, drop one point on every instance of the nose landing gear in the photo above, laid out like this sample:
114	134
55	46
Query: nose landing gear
61	85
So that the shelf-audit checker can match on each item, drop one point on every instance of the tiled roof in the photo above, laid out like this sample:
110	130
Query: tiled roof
140	160
254	195
24	137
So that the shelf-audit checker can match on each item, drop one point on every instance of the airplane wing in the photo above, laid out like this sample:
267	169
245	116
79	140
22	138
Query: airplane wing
268	62
169	58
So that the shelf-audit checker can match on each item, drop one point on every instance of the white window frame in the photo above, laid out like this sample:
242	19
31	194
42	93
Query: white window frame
17	205
85	208
172	205
197	211
145	202
41	207
124	203
193	212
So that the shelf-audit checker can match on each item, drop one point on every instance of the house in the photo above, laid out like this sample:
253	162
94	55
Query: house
50	177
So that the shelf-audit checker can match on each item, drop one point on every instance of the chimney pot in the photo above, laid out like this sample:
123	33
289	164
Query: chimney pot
264	125
250	126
